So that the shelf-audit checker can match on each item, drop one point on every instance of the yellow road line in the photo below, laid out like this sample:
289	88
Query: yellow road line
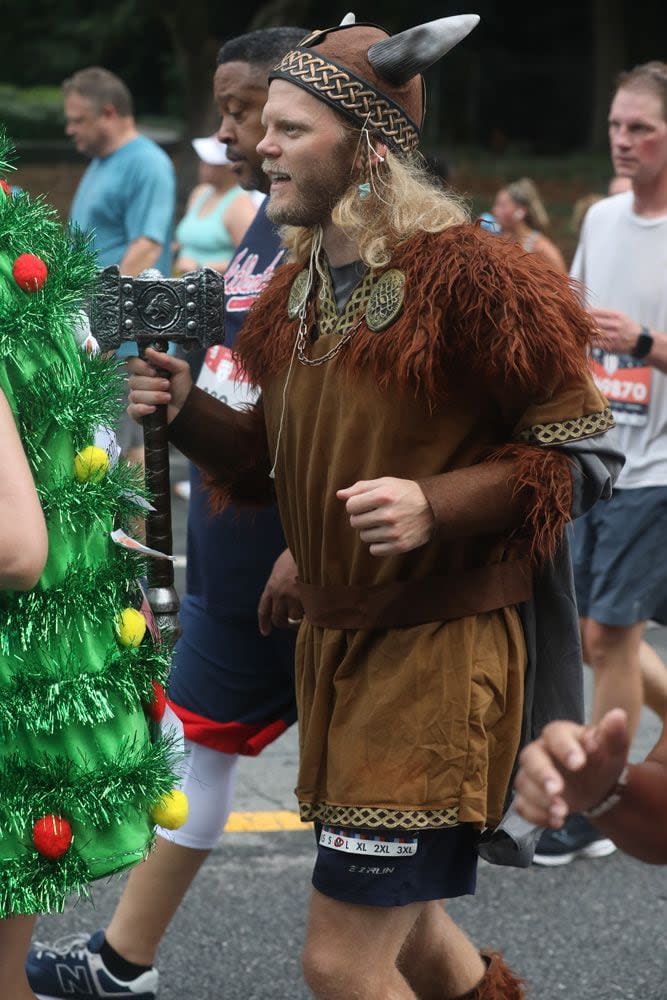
264	822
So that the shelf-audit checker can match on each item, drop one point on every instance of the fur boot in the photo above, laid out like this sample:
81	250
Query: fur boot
499	982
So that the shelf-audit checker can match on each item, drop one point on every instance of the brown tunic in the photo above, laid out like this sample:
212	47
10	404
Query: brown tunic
415	726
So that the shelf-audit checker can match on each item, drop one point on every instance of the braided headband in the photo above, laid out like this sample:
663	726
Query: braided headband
356	98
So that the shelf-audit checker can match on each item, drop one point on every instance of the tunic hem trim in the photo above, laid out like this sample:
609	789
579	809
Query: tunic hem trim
372	817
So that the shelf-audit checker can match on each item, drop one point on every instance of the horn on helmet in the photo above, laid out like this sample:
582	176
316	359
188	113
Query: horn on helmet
403	56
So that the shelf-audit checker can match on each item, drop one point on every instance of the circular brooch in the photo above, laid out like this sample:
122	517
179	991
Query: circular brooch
298	294
386	300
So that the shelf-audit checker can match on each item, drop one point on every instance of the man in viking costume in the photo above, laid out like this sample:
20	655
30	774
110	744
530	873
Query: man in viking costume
428	425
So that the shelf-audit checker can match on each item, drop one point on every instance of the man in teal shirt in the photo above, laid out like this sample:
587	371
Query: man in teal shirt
126	197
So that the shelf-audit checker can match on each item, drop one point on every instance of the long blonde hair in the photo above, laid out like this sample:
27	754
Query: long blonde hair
524	192
400	199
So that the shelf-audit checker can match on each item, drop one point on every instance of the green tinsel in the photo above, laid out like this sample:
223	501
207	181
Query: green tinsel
95	794
30	226
33	884
85	596
46	698
75	740
77	401
79	504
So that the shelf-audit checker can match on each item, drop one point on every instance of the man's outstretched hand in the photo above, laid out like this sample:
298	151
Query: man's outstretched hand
571	768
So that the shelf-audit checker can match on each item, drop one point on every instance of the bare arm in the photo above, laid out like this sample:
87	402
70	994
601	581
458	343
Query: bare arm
22	552
574	768
140	254
618	334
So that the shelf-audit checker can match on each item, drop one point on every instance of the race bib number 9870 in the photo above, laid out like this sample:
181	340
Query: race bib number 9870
626	382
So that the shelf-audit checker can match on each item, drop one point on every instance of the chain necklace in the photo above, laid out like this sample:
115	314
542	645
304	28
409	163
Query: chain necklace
302	341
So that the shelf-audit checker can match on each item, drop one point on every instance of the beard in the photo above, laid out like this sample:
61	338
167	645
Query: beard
314	195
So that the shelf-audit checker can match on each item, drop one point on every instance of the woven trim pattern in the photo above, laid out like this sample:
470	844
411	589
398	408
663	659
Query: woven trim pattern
328	318
373	817
346	93
564	431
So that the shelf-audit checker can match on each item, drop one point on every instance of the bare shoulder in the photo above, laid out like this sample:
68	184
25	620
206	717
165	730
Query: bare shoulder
548	249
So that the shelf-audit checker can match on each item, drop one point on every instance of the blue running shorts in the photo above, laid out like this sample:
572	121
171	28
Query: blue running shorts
620	558
395	867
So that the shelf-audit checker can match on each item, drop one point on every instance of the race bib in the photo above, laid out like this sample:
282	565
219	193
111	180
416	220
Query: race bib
220	376
626	382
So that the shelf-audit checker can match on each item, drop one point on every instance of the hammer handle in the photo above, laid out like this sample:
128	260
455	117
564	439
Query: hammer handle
158	522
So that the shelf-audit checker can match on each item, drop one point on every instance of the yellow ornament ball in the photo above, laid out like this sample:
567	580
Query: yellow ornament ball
131	627
91	464
171	811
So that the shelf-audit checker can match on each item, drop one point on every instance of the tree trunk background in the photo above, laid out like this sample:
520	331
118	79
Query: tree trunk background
609	58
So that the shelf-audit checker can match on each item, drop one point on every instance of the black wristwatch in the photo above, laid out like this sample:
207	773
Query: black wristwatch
644	343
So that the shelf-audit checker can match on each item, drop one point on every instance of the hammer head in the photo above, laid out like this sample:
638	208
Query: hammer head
152	310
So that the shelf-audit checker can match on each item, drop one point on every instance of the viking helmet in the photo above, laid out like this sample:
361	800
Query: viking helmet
371	77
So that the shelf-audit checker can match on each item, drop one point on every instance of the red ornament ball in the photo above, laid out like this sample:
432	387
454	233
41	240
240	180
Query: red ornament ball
6	188
157	707
52	836
30	272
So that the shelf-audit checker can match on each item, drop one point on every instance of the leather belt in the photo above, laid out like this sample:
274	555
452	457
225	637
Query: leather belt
415	602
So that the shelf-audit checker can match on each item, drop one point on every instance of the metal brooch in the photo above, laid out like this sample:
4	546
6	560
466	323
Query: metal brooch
298	294
386	300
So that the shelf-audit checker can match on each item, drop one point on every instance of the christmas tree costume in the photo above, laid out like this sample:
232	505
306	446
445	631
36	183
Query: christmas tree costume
82	765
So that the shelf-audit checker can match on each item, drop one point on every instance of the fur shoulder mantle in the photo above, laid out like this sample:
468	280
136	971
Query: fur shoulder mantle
475	306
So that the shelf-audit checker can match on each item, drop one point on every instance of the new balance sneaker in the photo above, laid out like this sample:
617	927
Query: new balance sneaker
577	838
73	968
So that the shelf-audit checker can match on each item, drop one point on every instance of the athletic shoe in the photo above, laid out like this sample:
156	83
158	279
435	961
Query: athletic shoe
72	968
577	838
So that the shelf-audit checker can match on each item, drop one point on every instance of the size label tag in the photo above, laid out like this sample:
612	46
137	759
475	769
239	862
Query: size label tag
366	843
220	376
626	382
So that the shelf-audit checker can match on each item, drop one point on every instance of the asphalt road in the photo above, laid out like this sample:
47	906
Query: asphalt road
593	930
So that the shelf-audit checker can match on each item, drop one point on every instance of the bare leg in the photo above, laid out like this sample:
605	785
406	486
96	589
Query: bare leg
654	678
360	953
15	934
438	959
153	893
612	652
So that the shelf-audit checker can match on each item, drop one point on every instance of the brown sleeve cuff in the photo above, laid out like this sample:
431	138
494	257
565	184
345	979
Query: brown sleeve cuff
520	491
228	445
202	429
478	500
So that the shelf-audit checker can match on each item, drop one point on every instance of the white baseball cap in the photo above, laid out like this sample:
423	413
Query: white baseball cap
211	150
